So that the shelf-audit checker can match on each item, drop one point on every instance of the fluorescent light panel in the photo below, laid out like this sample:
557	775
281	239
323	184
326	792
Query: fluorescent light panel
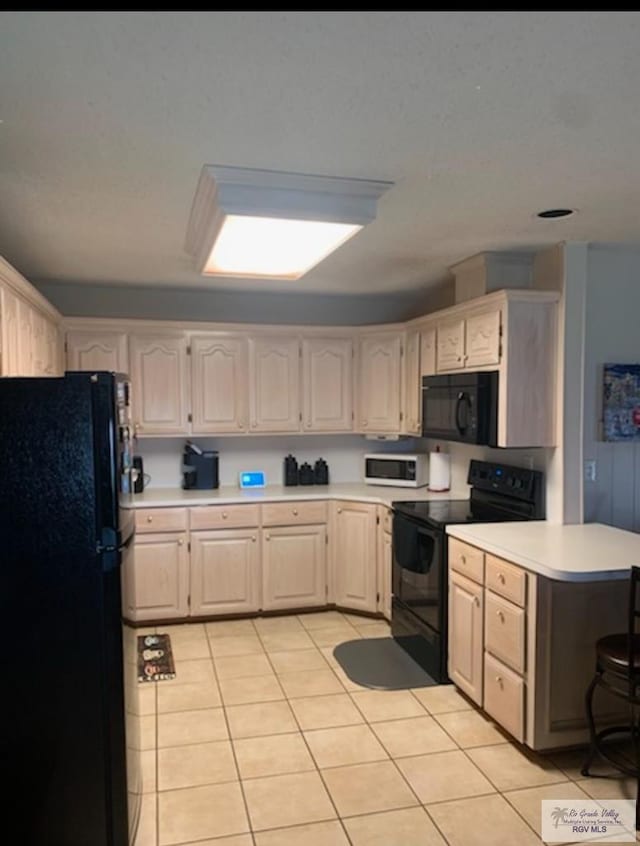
273	247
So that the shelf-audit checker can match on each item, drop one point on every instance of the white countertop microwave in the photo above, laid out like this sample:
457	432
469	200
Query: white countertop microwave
396	469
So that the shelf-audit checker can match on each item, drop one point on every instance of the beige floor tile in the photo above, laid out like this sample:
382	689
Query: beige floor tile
143	699
279	801
181	728
147	827
509	767
223	647
321	620
444	775
183	631
141	731
195	671
240	666
527	801
345	681
619	787
263	718
415	736
148	770
486	820
315	712
471	728
297	659
376	629
234	840
441	699
250	689
335	747
408	827
196	813
310	683
278	625
273	755
188	697
330	638
191	650
230	628
287	641
316	834
190	766
366	788
379	705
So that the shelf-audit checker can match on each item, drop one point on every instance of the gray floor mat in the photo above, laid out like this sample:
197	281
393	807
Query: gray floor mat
381	664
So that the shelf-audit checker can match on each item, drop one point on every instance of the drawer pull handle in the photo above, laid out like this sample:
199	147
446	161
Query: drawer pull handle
224	515
267	537
253	538
295	512
180	542
463	558
500	616
498	679
149	518
476	600
501	578
339	510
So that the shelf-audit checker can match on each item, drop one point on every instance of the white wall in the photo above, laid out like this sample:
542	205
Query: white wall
612	336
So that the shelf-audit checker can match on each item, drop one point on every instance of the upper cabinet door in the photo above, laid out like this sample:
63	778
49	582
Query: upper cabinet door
412	385
274	384
25	339
97	351
380	366
159	384
428	352
220	384
10	333
327	379
450	346
482	339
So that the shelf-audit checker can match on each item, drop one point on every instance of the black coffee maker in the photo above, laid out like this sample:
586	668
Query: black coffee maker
199	468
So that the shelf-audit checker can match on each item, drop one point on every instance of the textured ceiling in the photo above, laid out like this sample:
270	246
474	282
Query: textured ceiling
480	119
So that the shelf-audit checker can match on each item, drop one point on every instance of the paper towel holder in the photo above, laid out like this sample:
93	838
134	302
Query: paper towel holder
439	471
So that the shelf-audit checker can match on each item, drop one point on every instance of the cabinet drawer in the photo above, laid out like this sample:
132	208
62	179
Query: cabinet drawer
506	579
504	696
293	513
504	631
466	560
161	519
224	516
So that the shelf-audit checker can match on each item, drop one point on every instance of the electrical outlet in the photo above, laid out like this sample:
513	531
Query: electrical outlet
590	471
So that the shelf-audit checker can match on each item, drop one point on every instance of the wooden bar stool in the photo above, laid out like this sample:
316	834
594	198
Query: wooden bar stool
618	671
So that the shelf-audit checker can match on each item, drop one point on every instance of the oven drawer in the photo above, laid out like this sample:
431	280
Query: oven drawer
506	579
161	520
504	631
466	560
504	696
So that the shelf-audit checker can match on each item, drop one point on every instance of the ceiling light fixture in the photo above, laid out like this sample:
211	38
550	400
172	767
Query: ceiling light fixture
551	214
269	224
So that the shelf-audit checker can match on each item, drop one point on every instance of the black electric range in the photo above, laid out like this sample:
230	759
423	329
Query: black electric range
419	575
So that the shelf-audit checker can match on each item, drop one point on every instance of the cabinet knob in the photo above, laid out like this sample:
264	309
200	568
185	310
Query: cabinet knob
476	600
463	558
267	537
149	518
499	679
500	616
224	515
295	512
339	510
180	542
501	578
253	538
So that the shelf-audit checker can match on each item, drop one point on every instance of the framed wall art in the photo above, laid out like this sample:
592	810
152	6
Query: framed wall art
621	402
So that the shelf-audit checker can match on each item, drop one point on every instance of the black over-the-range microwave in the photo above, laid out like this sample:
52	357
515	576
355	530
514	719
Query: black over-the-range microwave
461	407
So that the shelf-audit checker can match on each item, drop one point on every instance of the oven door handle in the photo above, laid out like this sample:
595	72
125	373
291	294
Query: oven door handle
463	397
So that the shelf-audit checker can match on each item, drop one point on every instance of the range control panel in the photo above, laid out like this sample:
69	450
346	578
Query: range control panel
518	482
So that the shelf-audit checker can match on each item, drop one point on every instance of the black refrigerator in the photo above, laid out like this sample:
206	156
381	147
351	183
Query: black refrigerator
68	725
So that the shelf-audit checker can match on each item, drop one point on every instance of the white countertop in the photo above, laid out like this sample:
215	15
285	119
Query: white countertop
230	494
579	553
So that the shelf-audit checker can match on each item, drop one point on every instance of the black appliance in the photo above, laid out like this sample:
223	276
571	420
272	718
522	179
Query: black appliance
65	745
419	572
199	468
138	477
461	407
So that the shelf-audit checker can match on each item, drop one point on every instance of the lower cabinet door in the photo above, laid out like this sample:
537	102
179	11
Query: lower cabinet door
294	567
466	647
155	577
225	572
384	567
355	556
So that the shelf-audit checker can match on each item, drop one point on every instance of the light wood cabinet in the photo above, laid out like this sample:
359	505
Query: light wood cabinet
274	389
156	578
25	339
450	345
97	351
219	384
327	384
10	333
294	567
159	384
412	417
428	351
380	382
225	572
384	562
482	339
466	646
355	556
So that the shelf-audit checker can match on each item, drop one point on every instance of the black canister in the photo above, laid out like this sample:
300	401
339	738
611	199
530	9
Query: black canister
290	471
321	472
305	474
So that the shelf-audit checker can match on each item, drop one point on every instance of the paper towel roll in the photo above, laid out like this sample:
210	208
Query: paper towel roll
439	471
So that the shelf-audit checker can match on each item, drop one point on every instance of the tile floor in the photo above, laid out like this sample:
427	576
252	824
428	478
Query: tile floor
262	740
